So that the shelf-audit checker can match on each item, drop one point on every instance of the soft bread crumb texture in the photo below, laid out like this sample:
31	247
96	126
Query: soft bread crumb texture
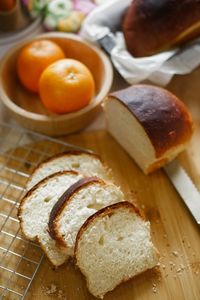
35	210
88	164
113	248
81	205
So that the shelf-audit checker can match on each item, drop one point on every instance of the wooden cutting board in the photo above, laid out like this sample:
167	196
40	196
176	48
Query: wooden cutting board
174	232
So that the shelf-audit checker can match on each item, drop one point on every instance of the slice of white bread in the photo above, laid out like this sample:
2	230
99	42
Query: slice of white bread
80	201
151	123
86	163
113	246
35	208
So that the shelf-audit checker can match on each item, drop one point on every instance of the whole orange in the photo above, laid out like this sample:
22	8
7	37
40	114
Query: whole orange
33	59
66	86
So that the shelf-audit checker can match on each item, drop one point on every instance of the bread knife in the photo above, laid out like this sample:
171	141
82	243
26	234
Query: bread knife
177	175
107	42
185	187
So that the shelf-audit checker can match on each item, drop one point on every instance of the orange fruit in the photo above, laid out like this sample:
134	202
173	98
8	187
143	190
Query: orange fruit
33	59
66	86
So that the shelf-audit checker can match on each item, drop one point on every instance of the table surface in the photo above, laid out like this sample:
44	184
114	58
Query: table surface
174	230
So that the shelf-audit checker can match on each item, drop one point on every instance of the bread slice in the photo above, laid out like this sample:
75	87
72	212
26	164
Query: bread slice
150	123
35	209
113	246
86	163
80	201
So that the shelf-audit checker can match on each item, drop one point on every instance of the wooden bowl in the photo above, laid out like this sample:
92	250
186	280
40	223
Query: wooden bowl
27	108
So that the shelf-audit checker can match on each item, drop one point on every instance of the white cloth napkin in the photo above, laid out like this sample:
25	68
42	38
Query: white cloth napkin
158	68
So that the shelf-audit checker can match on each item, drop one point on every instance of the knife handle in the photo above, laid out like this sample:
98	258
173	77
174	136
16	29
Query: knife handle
107	42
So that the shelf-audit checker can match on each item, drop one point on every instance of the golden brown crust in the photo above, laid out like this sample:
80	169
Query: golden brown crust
106	211
63	201
164	117
66	153
151	26
156	165
31	191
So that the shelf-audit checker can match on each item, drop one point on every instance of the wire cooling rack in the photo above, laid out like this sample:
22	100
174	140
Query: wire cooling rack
20	152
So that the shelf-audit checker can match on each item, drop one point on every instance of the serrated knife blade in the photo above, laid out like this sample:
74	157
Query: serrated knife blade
185	187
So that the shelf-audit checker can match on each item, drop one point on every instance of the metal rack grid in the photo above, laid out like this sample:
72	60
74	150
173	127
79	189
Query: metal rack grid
20	151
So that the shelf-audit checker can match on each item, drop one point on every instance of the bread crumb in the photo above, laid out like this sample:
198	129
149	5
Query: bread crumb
154	284
53	290
182	267
175	253
163	266
60	294
154	289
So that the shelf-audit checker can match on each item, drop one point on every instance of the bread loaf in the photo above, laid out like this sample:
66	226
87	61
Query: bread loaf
151	123
87	163
151	26
80	201
112	246
35	209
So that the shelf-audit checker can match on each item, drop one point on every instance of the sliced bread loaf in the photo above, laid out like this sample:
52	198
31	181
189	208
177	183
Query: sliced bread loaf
84	162
80	201
112	246
35	209
150	123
